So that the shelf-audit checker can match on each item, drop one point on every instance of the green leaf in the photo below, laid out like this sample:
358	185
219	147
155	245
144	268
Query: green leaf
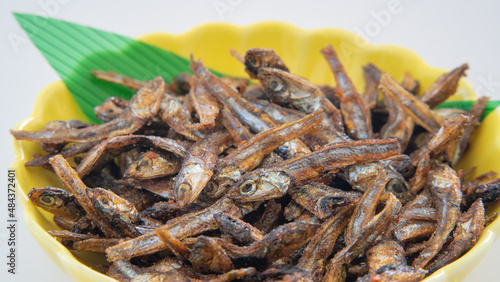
74	50
465	105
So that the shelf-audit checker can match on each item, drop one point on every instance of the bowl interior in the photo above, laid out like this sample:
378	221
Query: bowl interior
300	51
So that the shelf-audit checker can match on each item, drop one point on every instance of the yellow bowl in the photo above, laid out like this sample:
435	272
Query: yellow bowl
300	50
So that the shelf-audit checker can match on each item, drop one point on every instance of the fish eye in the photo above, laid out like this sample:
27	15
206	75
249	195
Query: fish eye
254	62
248	188
275	85
105	203
211	187
48	200
104	206
143	163
182	190
396	186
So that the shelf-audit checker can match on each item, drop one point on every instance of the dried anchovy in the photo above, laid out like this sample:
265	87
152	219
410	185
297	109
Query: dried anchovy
213	179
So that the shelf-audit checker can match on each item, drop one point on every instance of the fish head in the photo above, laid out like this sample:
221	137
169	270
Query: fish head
112	207
260	185
398	186
287	89
443	180
146	102
48	197
108	109
212	189
189	185
223	181
152	165
257	58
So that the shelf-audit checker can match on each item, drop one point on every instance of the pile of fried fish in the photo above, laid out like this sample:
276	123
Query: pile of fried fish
220	178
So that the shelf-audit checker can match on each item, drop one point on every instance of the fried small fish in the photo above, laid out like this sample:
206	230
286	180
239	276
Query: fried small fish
57	201
142	107
257	58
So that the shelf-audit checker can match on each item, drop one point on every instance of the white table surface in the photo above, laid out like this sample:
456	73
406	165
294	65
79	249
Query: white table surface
444	33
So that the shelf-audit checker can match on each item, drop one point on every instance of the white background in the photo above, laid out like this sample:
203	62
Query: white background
444	33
